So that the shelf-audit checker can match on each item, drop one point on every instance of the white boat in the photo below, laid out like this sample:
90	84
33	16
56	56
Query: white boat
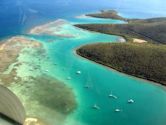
78	72
130	101
96	107
117	110
113	96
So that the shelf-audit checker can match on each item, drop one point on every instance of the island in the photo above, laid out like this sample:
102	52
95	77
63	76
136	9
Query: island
109	14
144	53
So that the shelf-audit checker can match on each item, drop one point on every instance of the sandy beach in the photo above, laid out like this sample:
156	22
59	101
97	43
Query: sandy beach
52	28
139	41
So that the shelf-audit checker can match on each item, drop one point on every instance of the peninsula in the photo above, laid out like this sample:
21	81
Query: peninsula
144	53
152	30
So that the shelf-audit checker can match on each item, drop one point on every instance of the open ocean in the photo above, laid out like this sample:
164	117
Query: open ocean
18	15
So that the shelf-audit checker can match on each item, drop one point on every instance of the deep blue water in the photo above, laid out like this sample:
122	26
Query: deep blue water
18	15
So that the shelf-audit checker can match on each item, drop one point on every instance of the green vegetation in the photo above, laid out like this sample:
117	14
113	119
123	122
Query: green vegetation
142	60
152	30
145	60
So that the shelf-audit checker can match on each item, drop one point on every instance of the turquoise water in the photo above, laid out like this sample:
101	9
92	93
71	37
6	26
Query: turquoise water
150	99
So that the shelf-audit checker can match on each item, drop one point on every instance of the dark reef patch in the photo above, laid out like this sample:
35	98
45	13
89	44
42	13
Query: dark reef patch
52	94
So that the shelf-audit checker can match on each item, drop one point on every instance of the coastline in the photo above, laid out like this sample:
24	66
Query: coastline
115	70
133	28
121	37
129	35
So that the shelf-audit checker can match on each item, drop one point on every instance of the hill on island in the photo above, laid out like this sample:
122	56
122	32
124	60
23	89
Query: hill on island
142	60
